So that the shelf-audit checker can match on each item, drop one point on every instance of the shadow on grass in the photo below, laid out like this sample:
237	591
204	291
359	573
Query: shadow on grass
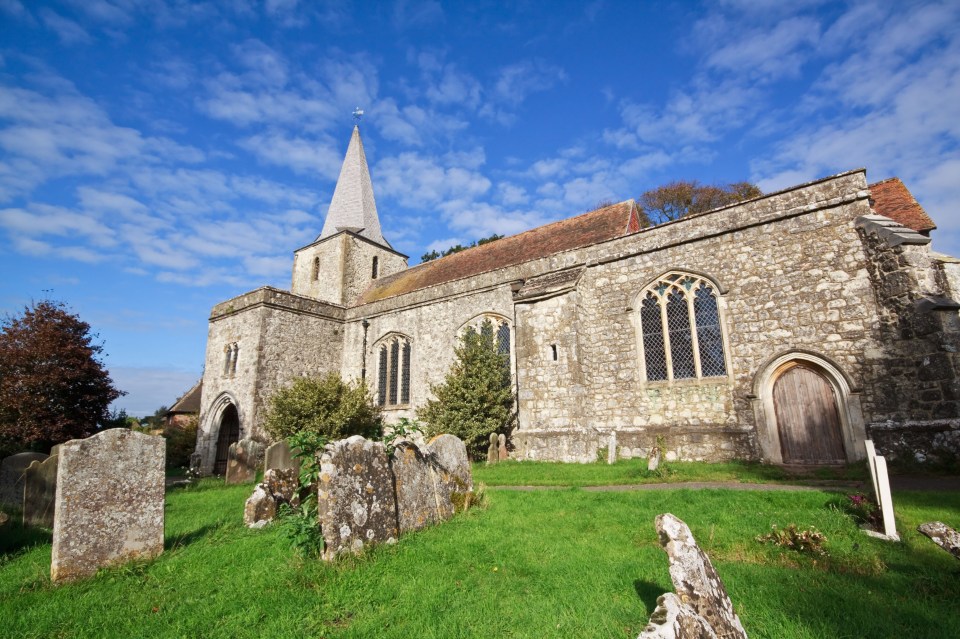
172	542
16	538
648	592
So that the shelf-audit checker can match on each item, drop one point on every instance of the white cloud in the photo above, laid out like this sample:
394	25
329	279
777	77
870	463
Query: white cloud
774	52
519	80
418	180
67	30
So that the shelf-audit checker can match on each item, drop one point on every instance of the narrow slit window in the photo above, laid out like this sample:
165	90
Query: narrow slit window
316	269
553	350
376	267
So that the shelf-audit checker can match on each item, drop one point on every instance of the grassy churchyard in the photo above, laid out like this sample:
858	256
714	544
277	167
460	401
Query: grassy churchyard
543	563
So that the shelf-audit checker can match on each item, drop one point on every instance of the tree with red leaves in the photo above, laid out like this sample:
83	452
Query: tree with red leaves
53	387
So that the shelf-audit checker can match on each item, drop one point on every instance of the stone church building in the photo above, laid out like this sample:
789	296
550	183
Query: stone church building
783	328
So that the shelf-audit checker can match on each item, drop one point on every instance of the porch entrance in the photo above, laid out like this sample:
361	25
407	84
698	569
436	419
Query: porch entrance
229	433
808	419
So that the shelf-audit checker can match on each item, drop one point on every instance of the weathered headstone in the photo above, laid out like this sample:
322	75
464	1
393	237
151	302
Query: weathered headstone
279	486
40	492
11	477
417	500
355	498
673	619
196	460
452	475
492	453
502	453
280	455
243	459
109	504
612	448
653	460
942	535
696	580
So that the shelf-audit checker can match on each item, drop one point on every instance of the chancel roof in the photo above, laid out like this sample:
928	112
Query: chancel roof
596	226
890	198
353	207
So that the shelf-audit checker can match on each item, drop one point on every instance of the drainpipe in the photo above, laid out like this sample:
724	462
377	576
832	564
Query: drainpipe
363	366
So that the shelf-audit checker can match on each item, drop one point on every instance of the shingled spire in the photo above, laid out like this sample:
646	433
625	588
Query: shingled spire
353	207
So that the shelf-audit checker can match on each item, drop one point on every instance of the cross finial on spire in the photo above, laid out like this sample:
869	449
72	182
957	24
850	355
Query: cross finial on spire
357	114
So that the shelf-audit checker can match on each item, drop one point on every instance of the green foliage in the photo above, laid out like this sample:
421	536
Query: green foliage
181	441
53	386
475	399
673	200
404	429
809	541
663	470
433	255
326	406
300	522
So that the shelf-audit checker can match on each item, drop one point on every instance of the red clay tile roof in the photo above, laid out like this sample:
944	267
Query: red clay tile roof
891	198
596	226
190	401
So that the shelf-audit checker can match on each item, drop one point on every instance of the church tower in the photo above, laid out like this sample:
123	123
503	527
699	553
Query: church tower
350	251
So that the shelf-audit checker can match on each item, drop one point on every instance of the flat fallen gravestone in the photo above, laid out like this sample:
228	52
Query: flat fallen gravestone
109	504
40	492
355	497
11	477
243	460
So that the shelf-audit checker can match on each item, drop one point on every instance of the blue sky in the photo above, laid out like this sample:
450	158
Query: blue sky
160	156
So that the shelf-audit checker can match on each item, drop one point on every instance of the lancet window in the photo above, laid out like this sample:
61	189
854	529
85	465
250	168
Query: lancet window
680	333
393	371
231	353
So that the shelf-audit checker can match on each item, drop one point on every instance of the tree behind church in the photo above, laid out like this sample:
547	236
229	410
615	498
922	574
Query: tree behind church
673	200
475	399
53	387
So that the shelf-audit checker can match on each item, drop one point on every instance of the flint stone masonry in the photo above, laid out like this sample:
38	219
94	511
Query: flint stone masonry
243	460
40	492
109	503
936	441
696	580
356	502
12	470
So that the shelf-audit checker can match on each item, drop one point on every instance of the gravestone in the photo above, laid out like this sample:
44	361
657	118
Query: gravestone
502	453
612	448
695	579
492	453
673	619
280	455
942	535
243	459
40	492
109	503
452	475
881	492
196	460
653	460
413	477
11	477
355	497
279	486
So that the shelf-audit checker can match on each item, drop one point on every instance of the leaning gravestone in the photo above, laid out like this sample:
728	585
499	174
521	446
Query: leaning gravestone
355	497
451	471
417	502
243	459
40	492
281	456
109	504
492	453
279	486
11	477
700	594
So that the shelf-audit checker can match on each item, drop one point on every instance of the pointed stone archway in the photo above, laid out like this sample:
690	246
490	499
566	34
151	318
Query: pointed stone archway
807	411
228	433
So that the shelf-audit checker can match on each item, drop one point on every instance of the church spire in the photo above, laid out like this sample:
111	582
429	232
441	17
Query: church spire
353	207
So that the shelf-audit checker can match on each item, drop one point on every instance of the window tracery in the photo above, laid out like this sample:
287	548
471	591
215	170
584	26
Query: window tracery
496	328
393	375
680	332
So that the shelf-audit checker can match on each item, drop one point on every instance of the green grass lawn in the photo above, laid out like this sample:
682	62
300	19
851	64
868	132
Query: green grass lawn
558	563
634	471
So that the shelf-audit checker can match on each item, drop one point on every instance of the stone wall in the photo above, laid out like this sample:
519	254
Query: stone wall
345	269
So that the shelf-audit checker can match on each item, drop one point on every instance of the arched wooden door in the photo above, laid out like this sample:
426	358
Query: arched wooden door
808	418
229	433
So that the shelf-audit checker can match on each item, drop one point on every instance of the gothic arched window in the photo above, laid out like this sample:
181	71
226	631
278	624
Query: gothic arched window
680	334
393	374
496	328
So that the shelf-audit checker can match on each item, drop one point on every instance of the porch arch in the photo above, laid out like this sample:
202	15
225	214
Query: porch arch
846	400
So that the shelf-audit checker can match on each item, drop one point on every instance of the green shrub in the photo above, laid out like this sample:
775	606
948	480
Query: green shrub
326	406
181	442
476	398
